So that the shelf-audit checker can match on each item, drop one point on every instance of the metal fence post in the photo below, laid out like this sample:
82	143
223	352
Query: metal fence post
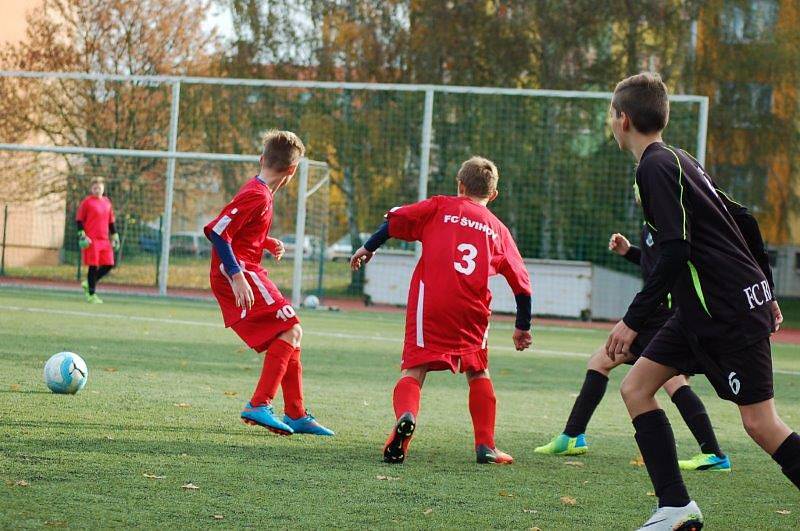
169	192
300	233
425	154
702	131
3	256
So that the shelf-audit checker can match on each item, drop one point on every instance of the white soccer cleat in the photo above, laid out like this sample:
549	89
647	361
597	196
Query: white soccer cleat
687	518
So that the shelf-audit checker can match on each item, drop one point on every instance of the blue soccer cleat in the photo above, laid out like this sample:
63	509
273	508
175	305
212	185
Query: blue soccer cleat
264	416
307	424
706	462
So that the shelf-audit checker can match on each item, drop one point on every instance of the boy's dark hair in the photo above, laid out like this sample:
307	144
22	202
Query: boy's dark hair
281	149
643	98
479	177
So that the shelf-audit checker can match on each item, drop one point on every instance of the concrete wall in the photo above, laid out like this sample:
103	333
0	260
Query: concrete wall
34	232
561	288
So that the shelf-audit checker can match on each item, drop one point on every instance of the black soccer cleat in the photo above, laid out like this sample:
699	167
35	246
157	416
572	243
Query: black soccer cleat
396	447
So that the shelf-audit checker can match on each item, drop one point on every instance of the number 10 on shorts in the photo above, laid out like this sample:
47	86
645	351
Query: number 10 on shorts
286	313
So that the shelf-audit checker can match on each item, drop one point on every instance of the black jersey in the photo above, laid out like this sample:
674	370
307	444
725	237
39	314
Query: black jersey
722	294
646	257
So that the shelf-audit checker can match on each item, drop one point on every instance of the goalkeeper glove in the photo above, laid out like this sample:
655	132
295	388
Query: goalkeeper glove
115	241
83	240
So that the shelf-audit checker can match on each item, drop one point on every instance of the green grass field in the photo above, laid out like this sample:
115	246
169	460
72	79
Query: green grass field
167	383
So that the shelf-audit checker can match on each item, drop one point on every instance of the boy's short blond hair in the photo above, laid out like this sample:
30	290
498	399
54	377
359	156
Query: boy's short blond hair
282	149
98	180
479	177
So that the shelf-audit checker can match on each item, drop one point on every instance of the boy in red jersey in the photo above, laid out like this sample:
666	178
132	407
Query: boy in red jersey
251	304
447	321
97	237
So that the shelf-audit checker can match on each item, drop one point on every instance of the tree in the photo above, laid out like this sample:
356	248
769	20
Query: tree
114	36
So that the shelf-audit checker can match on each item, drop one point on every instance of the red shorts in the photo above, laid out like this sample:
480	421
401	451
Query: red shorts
414	356
271	314
99	253
260	330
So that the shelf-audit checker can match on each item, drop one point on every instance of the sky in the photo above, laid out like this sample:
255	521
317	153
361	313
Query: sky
12	23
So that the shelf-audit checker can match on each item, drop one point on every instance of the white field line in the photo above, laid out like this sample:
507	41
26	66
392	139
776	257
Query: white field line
338	335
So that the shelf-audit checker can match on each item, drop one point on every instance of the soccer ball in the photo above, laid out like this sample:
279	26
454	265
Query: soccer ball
65	372
312	301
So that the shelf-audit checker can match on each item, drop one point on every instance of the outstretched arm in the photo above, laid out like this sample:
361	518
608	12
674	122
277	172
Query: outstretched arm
366	252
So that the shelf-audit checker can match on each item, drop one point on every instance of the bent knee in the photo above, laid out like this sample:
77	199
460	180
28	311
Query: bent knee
631	391
600	362
294	335
474	375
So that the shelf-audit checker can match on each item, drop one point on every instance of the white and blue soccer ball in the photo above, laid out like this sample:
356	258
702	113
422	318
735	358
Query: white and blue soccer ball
312	301
65	373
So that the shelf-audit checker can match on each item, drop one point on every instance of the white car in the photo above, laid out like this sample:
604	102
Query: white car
342	249
311	246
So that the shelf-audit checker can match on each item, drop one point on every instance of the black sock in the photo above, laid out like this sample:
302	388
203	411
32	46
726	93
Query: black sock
657	444
594	387
694	415
788	456
101	272
91	278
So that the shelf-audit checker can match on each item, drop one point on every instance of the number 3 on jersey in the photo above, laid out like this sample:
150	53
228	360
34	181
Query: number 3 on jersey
467	264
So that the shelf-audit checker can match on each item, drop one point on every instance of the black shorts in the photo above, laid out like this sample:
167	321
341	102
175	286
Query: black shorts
647	333
742	376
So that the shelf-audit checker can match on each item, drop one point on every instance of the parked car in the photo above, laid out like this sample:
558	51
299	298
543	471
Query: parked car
342	249
182	243
311	246
189	243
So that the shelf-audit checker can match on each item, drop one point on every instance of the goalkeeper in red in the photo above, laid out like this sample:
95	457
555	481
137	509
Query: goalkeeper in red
447	321
97	237
251	304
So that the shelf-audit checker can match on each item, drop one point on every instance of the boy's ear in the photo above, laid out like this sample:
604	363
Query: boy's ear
626	122
494	195
461	189
261	160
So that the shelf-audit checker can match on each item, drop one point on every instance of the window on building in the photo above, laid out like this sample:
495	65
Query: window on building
745	103
743	184
748	21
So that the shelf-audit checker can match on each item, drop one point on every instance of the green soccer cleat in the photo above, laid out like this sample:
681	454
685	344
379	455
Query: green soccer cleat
85	286
94	299
706	462
564	445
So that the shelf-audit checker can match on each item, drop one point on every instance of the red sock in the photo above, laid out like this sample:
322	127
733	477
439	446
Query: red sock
482	407
292	386
275	361
406	396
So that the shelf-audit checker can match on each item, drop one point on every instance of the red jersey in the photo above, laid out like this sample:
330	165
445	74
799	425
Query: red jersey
463	244
245	224
96	214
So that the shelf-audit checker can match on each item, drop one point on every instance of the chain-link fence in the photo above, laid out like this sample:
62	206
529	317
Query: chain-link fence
565	185
39	238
